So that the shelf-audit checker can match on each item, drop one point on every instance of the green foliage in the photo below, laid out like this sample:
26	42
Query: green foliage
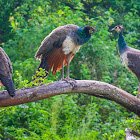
64	117
24	24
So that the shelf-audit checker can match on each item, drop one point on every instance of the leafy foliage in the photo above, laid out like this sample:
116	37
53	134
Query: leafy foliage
24	24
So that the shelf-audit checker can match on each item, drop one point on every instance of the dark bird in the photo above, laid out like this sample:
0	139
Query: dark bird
6	72
130	56
60	46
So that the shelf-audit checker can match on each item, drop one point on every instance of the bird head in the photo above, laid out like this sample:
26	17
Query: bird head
118	28
89	29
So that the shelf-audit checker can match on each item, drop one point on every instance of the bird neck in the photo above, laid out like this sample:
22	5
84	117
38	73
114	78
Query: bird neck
121	43
84	35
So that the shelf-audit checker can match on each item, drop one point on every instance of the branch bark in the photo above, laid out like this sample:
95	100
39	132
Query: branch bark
90	87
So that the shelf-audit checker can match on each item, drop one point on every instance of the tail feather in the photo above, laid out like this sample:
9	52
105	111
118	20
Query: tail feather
8	83
44	65
53	61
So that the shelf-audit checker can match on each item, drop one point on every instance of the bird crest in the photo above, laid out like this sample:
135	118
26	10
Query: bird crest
118	28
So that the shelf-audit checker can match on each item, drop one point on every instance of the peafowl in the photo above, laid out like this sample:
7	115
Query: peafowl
130	56
60	46
6	72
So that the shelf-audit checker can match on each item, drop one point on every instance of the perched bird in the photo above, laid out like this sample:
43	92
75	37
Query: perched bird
60	46
6	72
130	56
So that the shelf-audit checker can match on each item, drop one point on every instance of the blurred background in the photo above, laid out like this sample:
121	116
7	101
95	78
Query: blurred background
23	26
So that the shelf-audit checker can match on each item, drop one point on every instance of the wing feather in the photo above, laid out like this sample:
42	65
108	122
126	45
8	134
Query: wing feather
133	56
54	40
5	64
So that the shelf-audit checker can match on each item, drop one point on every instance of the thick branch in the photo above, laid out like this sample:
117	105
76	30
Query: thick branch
94	88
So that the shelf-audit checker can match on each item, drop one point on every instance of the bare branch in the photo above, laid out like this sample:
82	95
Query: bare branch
90	87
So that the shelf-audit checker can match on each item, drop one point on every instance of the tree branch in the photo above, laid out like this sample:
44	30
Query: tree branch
90	87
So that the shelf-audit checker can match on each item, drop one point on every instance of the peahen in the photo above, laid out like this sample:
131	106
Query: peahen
130	56
60	46
6	72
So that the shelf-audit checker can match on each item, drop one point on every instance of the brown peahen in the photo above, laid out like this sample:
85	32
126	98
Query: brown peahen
130	56
6	72
60	46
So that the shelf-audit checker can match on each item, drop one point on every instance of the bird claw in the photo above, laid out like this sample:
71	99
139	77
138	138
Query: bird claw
70	80
62	79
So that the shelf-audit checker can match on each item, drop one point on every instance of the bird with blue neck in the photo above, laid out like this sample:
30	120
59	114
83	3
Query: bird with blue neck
130	56
59	47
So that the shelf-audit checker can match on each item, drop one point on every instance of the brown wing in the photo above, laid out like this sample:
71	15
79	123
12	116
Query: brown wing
133	56
54	40
5	64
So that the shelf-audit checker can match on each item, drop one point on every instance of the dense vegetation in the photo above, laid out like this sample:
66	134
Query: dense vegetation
24	24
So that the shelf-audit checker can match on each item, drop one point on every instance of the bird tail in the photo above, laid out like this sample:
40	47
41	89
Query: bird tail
8	83
43	69
43	64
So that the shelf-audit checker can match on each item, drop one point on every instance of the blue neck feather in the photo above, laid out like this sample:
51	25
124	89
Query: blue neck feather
83	36
121	43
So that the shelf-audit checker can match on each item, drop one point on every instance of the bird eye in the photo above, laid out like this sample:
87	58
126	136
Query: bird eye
116	27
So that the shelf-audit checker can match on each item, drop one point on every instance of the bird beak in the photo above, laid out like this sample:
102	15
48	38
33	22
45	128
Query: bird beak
91	31
96	30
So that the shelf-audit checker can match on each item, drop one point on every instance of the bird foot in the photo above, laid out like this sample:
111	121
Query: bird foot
70	80
62	79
